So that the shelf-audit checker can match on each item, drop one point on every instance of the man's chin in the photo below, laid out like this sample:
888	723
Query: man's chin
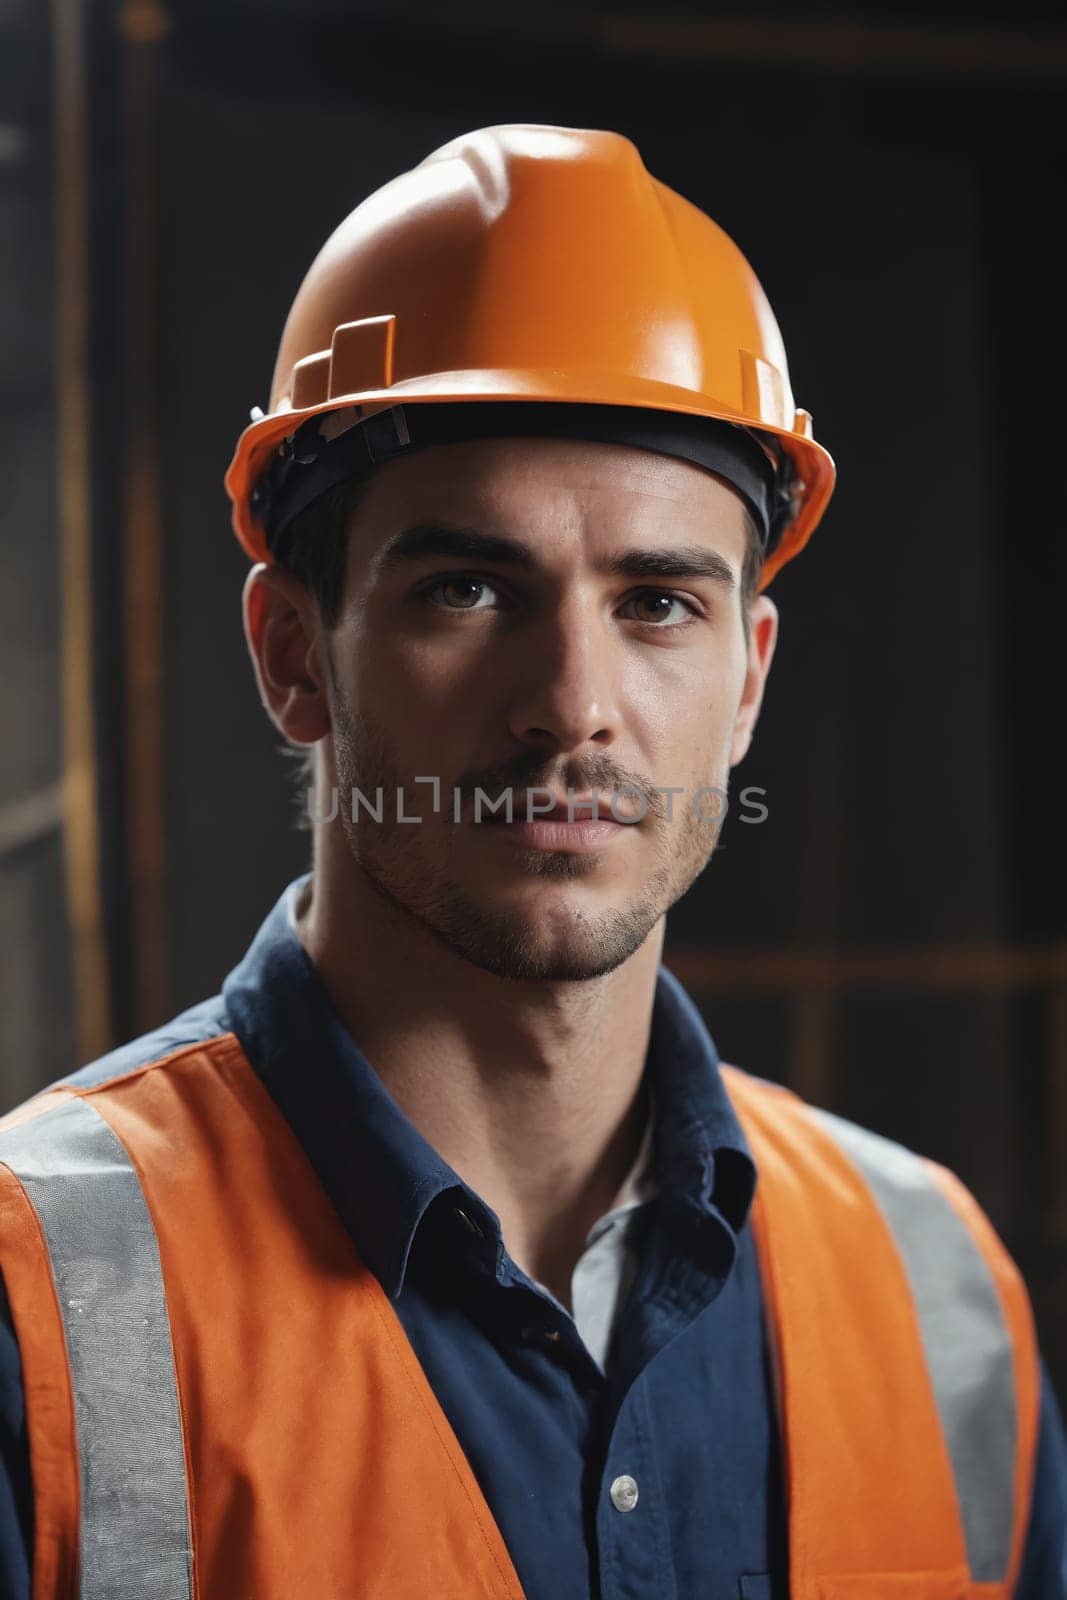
537	933
568	947
536	960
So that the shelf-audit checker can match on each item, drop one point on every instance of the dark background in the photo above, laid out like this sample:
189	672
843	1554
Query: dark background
891	940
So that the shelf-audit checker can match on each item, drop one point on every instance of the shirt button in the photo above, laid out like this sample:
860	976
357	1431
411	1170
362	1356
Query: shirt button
624	1493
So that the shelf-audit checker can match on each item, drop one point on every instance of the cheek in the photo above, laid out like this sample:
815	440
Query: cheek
426	708
408	670
687	715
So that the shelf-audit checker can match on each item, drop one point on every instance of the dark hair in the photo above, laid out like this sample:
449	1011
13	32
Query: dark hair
315	545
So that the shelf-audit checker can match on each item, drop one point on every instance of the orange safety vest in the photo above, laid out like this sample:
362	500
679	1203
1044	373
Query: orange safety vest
145	1222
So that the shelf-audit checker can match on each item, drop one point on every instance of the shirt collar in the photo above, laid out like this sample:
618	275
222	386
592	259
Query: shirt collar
379	1171
703	1160
640	1182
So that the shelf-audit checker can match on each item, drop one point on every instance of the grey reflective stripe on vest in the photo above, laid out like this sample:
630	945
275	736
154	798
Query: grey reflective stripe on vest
964	1334
134	1536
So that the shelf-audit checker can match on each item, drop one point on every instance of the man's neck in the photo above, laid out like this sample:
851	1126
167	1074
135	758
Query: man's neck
533	1091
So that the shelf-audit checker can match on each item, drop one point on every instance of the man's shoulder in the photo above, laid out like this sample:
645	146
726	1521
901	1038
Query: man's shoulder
905	1179
902	1176
780	1102
199	1026
842	1128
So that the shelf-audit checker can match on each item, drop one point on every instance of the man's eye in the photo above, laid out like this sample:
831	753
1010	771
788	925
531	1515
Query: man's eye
460	594
657	606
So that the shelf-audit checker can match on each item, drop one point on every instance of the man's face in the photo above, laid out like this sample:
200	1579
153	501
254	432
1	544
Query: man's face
541	614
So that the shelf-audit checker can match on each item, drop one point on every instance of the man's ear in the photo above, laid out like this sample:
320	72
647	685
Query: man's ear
288	649
763	635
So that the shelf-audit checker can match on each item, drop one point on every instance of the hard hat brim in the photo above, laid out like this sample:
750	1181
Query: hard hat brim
813	463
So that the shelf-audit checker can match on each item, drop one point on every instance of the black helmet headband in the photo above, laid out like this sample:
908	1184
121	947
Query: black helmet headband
336	446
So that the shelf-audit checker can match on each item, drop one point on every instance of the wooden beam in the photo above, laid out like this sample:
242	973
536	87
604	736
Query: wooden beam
81	834
961	969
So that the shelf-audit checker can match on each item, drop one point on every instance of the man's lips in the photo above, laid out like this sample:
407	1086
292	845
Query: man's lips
580	825
548	833
583	809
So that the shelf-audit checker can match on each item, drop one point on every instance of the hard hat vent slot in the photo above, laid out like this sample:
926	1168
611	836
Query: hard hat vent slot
763	390
361	357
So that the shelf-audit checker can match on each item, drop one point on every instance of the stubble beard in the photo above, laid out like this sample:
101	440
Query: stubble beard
417	882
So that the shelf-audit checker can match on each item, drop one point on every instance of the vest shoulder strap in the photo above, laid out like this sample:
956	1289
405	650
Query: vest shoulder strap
79	1252
905	1355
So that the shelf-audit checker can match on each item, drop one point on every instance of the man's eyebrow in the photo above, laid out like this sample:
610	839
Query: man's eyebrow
681	561
428	539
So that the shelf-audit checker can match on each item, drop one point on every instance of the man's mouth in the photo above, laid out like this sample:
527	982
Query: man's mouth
576	823
573	810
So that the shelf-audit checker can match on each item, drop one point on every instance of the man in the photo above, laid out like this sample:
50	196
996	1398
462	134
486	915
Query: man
429	1258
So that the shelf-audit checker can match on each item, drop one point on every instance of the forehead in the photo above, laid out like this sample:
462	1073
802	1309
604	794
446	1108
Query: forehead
552	490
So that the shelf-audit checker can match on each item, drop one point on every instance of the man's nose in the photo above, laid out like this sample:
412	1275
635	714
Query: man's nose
566	683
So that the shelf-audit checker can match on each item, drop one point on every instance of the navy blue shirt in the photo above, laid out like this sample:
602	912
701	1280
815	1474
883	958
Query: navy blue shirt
686	1407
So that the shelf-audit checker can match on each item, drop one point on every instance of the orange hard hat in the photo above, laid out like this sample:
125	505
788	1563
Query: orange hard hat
534	263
